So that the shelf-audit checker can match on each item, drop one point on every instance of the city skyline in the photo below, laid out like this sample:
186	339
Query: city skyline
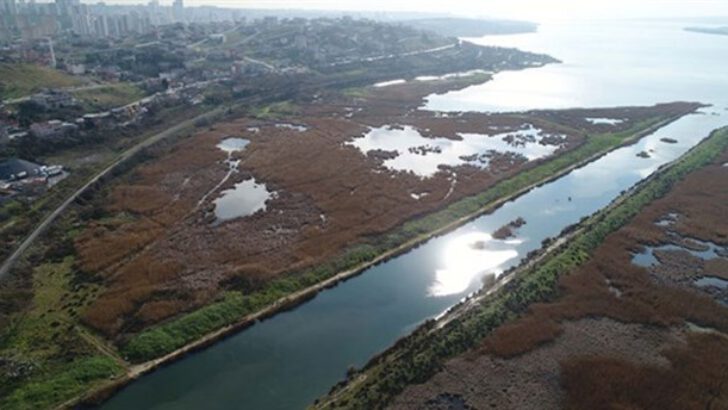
525	9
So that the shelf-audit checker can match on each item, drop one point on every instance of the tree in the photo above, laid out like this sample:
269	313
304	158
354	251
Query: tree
29	112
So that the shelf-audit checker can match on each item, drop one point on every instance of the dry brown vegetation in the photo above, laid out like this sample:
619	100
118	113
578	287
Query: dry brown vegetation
559	354
694	379
506	231
611	285
159	253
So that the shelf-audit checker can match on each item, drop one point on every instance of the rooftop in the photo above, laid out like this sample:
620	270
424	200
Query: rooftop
14	166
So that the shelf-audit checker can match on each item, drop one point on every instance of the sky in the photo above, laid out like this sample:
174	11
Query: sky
536	10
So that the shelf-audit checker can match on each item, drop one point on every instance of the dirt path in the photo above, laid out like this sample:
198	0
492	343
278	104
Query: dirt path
102	347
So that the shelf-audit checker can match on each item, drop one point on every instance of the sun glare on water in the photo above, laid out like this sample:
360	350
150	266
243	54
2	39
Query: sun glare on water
466	258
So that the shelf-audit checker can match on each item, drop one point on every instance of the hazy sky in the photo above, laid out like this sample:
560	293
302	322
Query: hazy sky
526	9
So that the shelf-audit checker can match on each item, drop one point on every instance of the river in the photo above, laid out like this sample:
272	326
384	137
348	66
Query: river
287	361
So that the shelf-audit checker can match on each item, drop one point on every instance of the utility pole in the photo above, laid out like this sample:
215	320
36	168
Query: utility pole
52	53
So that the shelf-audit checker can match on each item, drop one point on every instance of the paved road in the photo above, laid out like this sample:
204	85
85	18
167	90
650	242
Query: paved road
70	90
8	263
391	56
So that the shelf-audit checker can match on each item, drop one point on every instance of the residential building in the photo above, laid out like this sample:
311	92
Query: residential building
53	99
15	169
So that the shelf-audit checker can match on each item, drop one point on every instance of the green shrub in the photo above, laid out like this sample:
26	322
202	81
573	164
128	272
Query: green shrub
51	388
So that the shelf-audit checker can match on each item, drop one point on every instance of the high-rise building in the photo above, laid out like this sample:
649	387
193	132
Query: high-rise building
101	26
8	8
178	10
81	20
8	18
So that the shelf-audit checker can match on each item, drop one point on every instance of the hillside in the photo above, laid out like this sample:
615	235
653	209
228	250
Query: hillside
109	96
17	80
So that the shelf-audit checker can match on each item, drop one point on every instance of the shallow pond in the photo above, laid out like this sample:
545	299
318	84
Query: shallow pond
244	199
412	152
232	144
711	282
708	250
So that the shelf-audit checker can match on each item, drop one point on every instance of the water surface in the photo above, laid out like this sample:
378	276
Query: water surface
605	64
244	199
409	151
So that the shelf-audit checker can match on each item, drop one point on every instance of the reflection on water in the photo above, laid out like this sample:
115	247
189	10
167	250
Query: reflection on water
701	249
246	198
231	145
408	151
711	282
470	256
594	71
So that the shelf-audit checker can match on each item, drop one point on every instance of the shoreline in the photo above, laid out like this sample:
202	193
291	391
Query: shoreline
105	391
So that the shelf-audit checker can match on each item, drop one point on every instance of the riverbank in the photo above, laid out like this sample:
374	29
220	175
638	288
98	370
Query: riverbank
416	358
303	295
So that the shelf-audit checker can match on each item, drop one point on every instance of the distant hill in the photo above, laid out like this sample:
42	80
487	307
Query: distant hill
709	30
464	27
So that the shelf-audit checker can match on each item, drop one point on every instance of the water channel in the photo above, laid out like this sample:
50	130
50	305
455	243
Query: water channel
289	360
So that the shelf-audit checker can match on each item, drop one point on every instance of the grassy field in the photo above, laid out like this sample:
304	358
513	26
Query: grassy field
274	110
46	356
107	97
56	355
419	356
18	80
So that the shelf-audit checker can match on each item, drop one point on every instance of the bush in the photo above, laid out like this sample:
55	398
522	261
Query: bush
53	388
